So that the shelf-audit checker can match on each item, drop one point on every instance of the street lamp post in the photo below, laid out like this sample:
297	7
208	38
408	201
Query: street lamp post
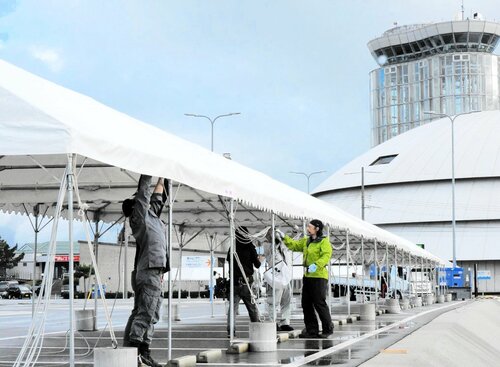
212	122
453	221
308	176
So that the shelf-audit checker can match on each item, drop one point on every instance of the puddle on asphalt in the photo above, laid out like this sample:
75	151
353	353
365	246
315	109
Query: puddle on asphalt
337	358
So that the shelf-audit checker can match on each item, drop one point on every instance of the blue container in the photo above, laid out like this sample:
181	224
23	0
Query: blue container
455	277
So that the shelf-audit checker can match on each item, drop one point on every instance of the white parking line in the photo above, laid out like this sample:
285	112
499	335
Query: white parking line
348	343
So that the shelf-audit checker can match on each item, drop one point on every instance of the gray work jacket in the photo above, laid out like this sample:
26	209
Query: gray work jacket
148	229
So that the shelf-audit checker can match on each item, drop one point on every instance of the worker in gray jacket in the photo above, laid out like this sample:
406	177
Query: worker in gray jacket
151	262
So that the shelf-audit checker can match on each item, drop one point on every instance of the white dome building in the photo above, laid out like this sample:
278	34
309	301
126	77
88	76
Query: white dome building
408	189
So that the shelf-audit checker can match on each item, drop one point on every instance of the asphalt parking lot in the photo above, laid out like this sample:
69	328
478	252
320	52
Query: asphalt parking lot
350	345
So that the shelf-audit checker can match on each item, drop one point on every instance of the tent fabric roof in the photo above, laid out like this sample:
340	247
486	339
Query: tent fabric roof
41	122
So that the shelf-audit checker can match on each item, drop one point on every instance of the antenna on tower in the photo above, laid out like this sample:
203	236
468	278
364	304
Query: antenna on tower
463	10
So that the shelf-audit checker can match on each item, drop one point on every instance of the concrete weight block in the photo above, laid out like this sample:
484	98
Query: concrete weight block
119	357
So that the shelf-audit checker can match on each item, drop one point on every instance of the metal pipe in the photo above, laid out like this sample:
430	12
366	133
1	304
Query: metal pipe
169	241
96	252
376	275
397	273
409	277
422	277
179	277
329	274
33	295
71	264
387	270
363	193
348	274
126	229
273	264
231	272
212	277
363	267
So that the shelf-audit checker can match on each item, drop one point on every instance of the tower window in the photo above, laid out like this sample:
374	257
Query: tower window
385	159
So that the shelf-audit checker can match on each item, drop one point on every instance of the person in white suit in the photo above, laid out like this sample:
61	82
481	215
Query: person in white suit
283	263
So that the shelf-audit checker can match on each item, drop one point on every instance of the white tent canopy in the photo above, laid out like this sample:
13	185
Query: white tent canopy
50	134
41	122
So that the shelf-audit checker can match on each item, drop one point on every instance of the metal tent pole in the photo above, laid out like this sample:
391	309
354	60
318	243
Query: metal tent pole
329	274
179	279
403	268
348	274
340	265
273	250
33	296
126	232
212	276
397	274
422	277
387	270
96	254
363	267
231	271
169	241
409	277
71	264
376	274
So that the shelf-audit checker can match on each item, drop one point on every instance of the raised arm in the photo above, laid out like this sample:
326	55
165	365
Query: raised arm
142	197
159	197
295	245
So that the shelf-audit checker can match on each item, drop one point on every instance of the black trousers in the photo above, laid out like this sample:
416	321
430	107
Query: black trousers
241	292
314	292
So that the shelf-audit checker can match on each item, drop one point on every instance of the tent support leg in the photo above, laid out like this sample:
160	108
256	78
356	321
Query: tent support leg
212	259
37	229
363	267
348	275
273	250
376	275
329	274
96	254
169	242
126	232
71	264
231	272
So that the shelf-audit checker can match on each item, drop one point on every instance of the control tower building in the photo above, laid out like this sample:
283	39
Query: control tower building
447	67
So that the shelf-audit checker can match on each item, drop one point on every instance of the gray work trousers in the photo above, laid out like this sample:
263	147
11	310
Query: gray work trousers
147	303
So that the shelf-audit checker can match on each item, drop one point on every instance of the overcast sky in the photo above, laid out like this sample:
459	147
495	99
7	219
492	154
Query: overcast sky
297	71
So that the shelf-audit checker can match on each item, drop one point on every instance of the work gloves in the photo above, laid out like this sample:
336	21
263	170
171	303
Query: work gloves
279	234
312	268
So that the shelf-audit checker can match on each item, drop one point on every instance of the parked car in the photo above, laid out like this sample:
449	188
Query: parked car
17	291
3	289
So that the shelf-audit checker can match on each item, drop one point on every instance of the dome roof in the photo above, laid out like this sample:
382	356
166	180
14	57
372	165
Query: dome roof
424	154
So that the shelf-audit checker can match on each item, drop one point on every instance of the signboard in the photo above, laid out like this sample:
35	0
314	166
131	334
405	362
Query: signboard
65	258
483	275
196	261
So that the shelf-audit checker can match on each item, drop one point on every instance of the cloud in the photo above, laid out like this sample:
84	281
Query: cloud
49	57
7	7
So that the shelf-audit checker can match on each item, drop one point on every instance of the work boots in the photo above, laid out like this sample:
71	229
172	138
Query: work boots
145	359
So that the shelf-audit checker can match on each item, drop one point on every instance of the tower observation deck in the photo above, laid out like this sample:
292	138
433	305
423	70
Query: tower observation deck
447	67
